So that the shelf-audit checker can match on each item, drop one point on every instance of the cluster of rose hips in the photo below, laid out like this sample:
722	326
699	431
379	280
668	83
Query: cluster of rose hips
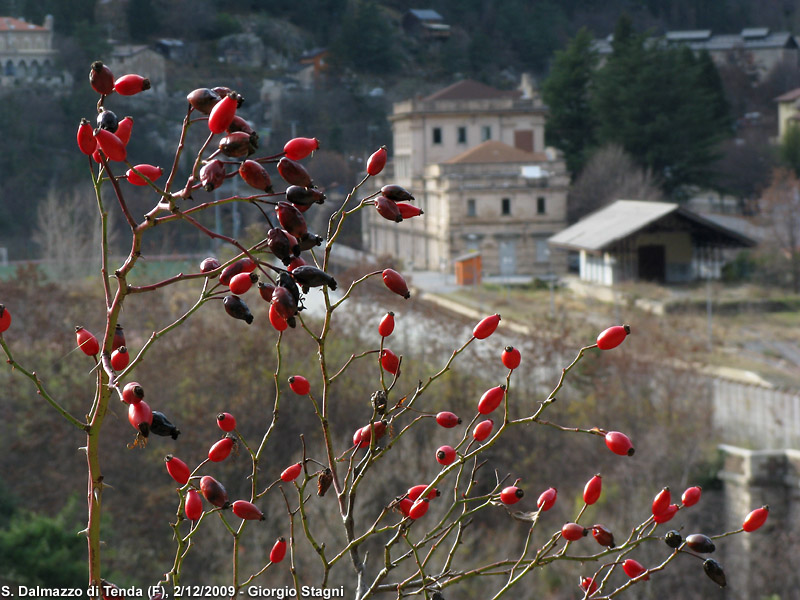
214	492
287	238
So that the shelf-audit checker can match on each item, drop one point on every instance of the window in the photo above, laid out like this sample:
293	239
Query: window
540	205
471	209
542	251
505	206
437	135
486	133
462	135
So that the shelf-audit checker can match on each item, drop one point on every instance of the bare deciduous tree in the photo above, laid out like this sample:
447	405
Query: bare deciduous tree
780	209
611	174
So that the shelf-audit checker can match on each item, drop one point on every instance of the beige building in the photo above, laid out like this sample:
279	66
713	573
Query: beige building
474	158
27	54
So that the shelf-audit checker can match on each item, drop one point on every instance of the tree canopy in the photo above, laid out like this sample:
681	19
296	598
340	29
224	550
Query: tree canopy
662	104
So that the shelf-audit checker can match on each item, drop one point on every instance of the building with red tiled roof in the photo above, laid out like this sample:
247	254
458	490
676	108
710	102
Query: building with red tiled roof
27	54
475	160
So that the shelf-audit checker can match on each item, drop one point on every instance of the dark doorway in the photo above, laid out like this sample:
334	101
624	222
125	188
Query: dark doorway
652	263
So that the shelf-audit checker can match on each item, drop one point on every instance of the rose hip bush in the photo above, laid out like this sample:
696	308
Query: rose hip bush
420	528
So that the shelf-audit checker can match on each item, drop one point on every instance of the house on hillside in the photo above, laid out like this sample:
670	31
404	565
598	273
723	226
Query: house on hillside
475	160
788	111
27	54
757	50
425	23
634	240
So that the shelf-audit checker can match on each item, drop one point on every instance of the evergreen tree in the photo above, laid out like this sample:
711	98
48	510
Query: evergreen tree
365	40
567	92
663	107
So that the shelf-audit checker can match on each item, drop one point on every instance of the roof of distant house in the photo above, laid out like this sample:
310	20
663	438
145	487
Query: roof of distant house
703	39
469	89
789	96
12	24
493	151
426	14
601	229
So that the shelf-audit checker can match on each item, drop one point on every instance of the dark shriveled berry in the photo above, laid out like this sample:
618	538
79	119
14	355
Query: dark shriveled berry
308	277
212	174
303	196
203	100
161	425
214	492
237	309
396	193
714	571
107	120
101	78
294	173
255	175
700	543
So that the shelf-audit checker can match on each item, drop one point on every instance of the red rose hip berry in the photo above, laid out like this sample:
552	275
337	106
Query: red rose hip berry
395	282
486	327
491	399
592	490
193	506
226	421
619	443
140	417
86	341
120	358
132	393
613	337
446	455
662	501
291	473
221	450
634	569
691	496
511	495
390	361
278	551
131	84
221	116
86	140
386	326
755	519
483	430
377	161
152	173
547	499
298	148
573	531
177	469
447	419
247	511
510	357
299	385
5	318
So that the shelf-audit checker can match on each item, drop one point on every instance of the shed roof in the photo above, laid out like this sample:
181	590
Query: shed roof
601	229
789	96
